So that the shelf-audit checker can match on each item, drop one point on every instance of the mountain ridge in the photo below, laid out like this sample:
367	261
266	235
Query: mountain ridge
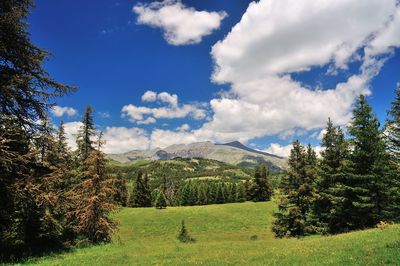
234	153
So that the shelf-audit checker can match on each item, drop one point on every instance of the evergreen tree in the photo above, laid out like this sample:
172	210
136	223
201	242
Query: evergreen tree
262	187
392	211
330	204
186	194
202	194
248	187
95	199
85	136
367	180
121	193
220	194
161	202
297	194
183	235
142	193
393	126
241	192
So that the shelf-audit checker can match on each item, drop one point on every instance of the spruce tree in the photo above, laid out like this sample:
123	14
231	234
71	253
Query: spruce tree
262	187
241	192
142	193
85	135
329	208
202	194
121	193
186	194
368	177
161	202
297	194
393	126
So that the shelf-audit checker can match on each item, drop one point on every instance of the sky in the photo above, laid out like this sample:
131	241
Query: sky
261	72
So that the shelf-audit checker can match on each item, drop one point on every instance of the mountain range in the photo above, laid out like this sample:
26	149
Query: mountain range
234	153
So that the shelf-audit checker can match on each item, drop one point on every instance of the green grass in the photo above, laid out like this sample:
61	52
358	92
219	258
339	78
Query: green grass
225	236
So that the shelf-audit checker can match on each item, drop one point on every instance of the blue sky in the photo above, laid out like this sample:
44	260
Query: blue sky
221	84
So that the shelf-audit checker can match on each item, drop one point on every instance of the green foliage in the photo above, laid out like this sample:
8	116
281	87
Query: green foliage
261	189
298	193
183	235
161	201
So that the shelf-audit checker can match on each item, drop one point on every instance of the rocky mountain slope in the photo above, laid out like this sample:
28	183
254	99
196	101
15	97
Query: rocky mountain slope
234	153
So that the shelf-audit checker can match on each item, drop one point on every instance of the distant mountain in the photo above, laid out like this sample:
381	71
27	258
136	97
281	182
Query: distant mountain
234	153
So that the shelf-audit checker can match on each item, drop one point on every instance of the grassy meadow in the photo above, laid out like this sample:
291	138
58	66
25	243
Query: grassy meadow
228	234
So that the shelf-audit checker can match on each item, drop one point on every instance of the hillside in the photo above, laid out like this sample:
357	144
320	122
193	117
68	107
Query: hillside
233	153
223	232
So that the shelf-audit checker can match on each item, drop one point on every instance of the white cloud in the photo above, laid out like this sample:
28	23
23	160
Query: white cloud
184	127
71	131
276	38
147	121
59	111
284	151
277	149
147	115
122	139
149	96
181	24
171	99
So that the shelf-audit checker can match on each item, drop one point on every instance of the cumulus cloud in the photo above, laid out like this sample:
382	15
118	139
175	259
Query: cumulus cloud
146	115
59	111
284	151
71	131
276	38
123	139
181	24
149	96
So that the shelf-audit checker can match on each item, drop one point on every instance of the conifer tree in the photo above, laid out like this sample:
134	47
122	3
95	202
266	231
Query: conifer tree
262	187
202	194
392	211
121	193
367	180
220	193
94	197
330	204
183	235
161	202
186	194
241	192
142	193
297	194
393	126
85	136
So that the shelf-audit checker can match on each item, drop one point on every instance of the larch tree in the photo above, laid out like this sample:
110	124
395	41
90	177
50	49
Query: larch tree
95	201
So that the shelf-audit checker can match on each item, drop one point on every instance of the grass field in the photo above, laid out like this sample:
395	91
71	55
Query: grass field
223	234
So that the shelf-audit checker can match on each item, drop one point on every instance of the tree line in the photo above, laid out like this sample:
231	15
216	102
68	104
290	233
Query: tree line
50	197
192	192
355	184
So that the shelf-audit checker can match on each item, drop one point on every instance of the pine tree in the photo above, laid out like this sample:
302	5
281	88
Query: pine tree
121	193
161	202
94	199
392	211
186	194
367	180
202	194
220	194
142	193
330	204
183	235
85	135
297	194
262	187
393	126
241	192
